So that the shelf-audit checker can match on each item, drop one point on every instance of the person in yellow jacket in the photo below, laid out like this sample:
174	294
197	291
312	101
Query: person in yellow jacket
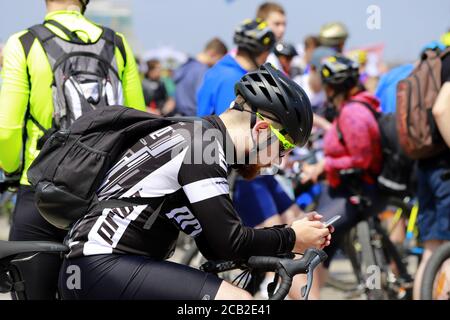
26	110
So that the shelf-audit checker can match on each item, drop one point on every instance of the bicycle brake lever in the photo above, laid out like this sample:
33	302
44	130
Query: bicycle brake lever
306	289
272	286
310	276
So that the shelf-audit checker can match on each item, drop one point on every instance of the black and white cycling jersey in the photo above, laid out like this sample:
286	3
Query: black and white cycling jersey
188	192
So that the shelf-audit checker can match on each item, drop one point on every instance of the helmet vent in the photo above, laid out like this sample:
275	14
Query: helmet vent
283	101
251	89
270	79
266	93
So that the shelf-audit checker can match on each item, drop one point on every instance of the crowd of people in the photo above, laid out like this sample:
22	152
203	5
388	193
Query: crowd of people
262	84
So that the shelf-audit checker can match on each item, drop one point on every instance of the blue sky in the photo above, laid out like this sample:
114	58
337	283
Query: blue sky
187	24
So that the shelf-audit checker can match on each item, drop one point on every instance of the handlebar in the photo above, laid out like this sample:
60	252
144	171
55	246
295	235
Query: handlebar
288	268
285	268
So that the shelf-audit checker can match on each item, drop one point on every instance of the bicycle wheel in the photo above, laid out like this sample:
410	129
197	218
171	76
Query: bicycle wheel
368	262
436	277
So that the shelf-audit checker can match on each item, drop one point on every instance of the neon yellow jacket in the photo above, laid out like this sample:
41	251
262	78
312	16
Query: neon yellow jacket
16	93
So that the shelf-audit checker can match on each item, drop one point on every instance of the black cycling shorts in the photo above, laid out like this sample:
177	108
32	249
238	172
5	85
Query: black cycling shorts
129	277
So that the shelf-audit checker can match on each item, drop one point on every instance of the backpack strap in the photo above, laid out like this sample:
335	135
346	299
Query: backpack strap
113	38
375	113
27	41
52	49
72	35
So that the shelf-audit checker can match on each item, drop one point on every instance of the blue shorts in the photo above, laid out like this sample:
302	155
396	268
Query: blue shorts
259	200
434	204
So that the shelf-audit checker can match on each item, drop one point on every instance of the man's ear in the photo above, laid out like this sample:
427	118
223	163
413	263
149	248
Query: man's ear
260	126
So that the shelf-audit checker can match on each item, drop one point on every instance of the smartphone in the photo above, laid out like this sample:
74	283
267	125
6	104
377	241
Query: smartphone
332	221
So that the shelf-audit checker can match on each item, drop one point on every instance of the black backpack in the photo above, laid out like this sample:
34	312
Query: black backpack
73	163
85	75
395	178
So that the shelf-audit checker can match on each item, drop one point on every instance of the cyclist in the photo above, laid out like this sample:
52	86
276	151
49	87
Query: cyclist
261	202
311	82
189	76
255	40
433	189
285	53
334	35
27	91
310	44
275	16
155	92
353	142
121	252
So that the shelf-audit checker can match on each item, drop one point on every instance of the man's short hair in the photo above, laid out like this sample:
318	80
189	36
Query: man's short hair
267	7
152	64
217	46
312	42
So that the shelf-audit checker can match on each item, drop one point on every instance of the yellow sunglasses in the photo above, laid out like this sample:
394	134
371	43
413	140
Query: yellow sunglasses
285	145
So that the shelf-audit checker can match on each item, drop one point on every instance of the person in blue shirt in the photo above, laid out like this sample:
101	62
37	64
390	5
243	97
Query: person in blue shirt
255	41
387	87
189	76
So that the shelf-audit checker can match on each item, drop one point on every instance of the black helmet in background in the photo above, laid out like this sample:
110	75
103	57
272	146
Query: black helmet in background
285	49
254	36
339	72
267	89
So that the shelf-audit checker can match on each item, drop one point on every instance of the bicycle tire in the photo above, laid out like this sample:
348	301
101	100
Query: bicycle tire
368	258
431	271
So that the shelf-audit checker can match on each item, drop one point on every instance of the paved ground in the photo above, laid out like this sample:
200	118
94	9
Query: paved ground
340	268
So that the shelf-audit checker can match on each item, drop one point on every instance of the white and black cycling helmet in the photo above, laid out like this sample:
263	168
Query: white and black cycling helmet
254	36
267	89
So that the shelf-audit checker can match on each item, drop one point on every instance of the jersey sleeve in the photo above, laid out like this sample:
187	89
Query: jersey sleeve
131	82
14	98
223	235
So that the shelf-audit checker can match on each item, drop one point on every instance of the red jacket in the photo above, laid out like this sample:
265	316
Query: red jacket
362	141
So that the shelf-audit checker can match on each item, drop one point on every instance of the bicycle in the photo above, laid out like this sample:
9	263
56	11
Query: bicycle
12	254
371	246
285	269
436	277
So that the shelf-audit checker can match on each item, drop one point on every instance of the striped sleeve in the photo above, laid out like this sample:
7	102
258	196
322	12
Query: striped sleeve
224	236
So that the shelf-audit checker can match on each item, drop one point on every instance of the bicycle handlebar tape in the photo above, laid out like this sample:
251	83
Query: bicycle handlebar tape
311	259
264	263
285	287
